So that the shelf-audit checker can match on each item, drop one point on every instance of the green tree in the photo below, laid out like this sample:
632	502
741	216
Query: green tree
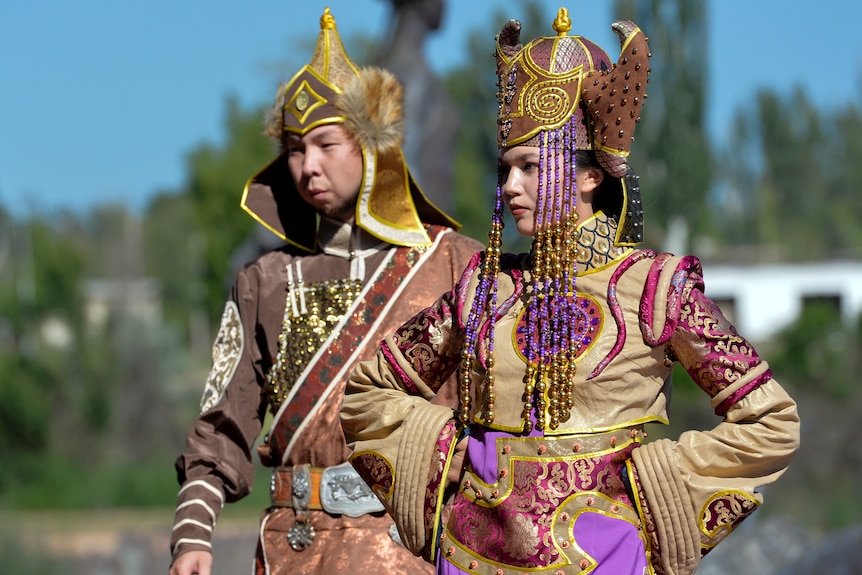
217	174
40	306
671	152
843	202
791	178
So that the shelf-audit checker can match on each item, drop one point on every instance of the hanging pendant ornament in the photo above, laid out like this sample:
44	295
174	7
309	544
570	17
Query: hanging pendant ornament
301	535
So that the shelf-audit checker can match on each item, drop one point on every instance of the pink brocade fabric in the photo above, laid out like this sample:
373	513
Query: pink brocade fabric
563	514
712	352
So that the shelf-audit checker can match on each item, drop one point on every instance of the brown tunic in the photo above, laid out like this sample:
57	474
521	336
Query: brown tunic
282	307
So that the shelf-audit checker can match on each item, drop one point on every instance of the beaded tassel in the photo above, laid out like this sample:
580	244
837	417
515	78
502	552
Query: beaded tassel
552	307
486	298
552	343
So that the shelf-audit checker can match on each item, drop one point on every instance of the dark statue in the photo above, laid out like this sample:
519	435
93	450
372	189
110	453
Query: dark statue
431	116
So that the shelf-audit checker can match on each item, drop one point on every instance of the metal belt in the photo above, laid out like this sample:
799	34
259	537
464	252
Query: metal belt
338	490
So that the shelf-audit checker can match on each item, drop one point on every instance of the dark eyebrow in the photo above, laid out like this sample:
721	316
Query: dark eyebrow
326	132
531	157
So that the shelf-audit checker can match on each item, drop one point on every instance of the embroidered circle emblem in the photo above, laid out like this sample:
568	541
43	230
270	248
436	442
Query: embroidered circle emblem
587	325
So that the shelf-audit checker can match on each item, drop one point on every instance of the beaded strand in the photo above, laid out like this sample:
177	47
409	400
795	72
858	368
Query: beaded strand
552	343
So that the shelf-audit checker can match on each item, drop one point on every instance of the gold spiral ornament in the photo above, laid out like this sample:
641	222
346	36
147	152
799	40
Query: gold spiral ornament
549	104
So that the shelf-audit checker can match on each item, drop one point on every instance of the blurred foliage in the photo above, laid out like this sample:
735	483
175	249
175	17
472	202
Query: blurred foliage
791	179
217	175
671	152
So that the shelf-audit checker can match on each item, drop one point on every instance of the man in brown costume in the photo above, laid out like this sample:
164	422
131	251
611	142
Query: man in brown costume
364	251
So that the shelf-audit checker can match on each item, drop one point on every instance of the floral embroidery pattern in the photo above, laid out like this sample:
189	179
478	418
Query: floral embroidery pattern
524	506
226	352
711	350
429	340
723	512
376	471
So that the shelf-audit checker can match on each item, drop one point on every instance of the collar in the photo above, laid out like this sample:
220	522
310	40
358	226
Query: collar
345	240
596	247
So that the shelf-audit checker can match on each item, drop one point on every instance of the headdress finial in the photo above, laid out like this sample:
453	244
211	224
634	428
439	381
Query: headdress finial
562	23
327	21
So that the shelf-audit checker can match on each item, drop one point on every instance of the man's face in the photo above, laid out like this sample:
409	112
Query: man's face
326	165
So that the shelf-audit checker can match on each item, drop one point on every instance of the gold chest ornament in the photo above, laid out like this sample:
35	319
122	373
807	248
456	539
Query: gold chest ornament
311	312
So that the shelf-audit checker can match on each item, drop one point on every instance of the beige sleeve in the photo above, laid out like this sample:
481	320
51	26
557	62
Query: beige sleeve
394	433
695	490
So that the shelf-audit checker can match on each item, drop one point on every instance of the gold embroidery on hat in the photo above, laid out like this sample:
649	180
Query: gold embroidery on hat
303	102
547	101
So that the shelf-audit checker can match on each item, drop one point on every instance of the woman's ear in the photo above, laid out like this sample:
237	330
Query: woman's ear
593	179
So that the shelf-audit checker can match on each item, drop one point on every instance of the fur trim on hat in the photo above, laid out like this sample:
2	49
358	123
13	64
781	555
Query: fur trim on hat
273	122
372	106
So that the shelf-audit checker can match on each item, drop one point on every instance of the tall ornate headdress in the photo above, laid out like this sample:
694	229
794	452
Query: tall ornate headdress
331	89
561	94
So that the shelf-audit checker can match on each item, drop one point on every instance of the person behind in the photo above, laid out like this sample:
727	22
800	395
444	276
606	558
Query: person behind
563	355
364	251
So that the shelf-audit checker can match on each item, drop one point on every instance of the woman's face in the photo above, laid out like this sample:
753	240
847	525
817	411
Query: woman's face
520	168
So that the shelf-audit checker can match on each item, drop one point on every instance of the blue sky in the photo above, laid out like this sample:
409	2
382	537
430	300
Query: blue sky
101	99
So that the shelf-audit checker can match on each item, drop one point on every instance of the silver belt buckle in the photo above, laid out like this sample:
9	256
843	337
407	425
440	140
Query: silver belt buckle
344	492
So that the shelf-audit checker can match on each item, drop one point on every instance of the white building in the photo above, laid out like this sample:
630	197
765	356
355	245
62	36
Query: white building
761	299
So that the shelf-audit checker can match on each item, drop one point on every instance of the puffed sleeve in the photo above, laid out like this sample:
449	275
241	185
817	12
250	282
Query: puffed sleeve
216	466
402	443
693	491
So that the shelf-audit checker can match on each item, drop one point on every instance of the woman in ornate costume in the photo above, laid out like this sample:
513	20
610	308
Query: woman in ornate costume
564	354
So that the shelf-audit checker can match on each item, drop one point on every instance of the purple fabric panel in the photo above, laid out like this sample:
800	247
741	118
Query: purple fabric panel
446	568
482	453
613	543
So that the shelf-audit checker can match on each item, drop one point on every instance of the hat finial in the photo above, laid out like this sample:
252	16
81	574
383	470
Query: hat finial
327	21
562	23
